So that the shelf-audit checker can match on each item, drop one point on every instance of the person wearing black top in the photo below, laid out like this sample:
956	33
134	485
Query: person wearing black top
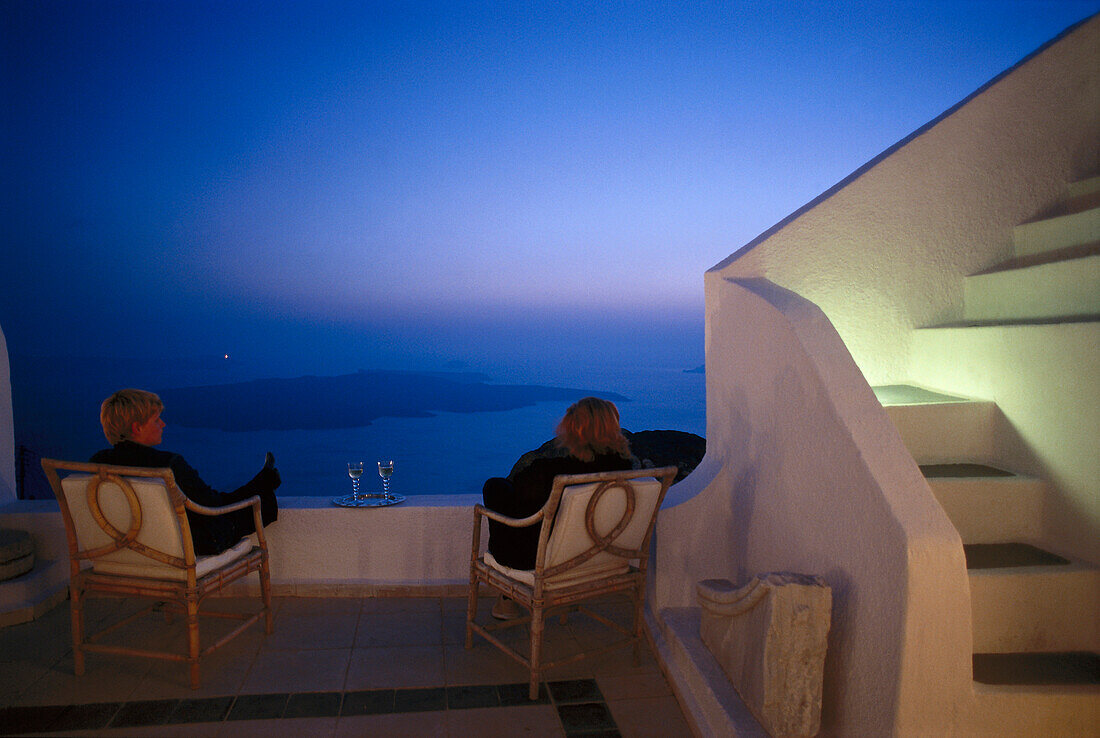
132	424
589	440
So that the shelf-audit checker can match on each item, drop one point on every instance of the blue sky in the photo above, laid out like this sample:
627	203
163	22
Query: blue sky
325	185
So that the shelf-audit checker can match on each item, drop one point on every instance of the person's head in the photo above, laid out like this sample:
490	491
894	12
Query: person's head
132	415
590	427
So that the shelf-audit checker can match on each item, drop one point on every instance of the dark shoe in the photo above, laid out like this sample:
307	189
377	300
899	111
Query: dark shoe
269	461
505	609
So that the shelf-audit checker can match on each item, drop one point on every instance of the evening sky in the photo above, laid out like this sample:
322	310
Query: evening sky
325	185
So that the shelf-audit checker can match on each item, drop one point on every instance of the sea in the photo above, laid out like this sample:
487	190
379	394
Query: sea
56	405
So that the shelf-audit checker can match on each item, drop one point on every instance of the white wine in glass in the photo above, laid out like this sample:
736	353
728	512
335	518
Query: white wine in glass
355	470
385	470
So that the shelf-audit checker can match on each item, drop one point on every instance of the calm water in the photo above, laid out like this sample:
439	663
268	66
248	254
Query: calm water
450	453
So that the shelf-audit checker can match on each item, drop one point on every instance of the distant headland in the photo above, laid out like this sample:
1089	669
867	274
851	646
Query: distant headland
351	400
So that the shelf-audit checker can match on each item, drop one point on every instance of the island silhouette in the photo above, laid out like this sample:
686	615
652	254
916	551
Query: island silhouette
351	400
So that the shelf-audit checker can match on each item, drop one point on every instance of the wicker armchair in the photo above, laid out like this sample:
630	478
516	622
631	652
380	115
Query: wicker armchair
129	536
594	541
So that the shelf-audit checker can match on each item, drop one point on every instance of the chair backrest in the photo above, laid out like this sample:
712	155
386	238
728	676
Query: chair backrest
602	522
126	521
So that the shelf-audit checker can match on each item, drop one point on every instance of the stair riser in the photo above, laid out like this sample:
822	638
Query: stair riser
1029	711
993	510
948	432
1035	609
1060	289
1057	233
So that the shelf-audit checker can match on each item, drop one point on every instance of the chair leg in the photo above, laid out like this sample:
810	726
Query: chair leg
193	640
537	624
471	610
265	593
76	607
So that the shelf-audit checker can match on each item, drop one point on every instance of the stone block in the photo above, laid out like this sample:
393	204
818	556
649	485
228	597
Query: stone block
16	553
770	636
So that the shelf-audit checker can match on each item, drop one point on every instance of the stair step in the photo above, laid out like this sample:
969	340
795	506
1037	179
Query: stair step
1004	555
946	430
1087	320
906	394
1024	599
991	505
1058	232
936	471
1074	667
1083	188
1062	283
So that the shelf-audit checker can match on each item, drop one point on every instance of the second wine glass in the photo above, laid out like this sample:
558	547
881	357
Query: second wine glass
385	470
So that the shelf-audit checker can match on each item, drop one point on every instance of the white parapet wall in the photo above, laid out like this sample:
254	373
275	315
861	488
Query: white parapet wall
421	546
805	473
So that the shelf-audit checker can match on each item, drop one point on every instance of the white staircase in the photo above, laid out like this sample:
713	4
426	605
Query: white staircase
1035	607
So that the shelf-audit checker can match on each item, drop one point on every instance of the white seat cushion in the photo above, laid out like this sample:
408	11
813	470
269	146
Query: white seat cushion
156	570
569	537
160	529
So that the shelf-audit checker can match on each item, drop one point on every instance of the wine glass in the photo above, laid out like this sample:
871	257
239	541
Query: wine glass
355	470
385	470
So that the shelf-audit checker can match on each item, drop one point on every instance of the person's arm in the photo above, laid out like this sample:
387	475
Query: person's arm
532	487
191	484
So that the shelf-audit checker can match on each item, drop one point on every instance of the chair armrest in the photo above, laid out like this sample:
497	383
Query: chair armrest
254	500
482	511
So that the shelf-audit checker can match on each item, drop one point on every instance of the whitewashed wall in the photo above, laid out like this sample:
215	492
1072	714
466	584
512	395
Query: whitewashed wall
805	473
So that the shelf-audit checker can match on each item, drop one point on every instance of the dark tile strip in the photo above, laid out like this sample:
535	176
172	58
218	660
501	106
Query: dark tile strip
582	709
367	702
482	695
580	706
575	690
258	707
87	717
32	718
206	710
585	718
146	712
516	695
420	700
313	704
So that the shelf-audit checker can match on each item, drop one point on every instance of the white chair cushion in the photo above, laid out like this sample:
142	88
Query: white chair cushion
156	570
160	529
569	537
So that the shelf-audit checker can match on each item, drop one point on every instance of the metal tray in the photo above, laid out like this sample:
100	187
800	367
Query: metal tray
368	500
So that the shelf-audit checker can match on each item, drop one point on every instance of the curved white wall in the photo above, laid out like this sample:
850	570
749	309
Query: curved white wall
804	472
885	250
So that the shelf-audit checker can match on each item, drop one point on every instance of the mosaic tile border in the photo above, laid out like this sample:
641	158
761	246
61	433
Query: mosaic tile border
580	706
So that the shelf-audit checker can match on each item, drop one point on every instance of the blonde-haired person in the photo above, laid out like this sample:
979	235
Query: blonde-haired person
590	440
133	426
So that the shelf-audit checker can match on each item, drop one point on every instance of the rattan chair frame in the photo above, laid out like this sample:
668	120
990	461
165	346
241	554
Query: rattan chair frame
543	603
184	595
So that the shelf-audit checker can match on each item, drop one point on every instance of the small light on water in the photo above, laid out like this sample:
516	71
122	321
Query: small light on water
227	356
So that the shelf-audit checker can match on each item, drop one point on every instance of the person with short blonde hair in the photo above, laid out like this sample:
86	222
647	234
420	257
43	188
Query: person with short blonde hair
132	424
589	439
121	410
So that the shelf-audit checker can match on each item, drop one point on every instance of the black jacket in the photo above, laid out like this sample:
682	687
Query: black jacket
525	495
211	534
